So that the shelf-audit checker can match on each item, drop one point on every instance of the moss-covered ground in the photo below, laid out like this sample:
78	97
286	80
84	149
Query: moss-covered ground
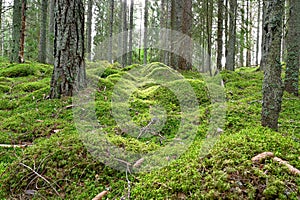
57	165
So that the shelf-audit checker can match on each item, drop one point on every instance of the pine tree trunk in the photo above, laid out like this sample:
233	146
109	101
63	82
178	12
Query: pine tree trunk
146	32
69	74
23	29
111	30
1	47
220	34
272	84
209	21
258	32
16	32
293	48
230	59
89	30
249	32
43	32
186	43
131	26
50	41
125	34
242	37
264	44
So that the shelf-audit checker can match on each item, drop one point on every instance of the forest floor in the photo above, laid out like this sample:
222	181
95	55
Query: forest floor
56	164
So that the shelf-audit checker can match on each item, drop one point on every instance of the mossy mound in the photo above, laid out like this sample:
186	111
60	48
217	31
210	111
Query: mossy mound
222	172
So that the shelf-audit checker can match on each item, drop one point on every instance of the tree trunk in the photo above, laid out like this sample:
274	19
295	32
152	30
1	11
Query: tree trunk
16	33
130	33
230	59
249	33
23	29
264	44
272	84
146	32
125	34
111	30
1	47
43	32
69	74
293	46
209	21
186	45
89	30
50	42
242	37
258	32
226	27
220	34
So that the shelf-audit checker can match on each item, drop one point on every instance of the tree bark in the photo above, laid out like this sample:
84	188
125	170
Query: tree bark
89	30
125	35
50	41
186	46
146	32
69	74
220	34
272	84
16	33
111	30
131	32
230	59
43	32
264	44
23	29
293	48
258	32
1	47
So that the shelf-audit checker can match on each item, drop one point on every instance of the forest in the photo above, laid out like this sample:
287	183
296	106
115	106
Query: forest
149	99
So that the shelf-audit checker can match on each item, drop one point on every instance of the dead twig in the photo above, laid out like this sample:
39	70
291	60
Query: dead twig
99	196
40	177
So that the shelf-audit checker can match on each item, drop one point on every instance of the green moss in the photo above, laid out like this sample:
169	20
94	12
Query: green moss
223	172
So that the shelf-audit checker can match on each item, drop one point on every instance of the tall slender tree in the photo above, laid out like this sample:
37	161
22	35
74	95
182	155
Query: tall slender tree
16	33
43	32
186	47
264	44
272	84
50	38
220	34
1	50
89	29
23	29
258	31
125	34
293	48
69	75
146	14
131	26
111	30
230	59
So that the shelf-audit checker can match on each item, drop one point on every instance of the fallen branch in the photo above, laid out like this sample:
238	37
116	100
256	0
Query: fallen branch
292	169
14	145
99	196
263	156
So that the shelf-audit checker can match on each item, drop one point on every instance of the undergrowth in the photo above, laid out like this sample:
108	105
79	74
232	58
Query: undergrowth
69	171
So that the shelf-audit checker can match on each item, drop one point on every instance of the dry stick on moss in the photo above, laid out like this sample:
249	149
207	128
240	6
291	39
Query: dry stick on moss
40	177
260	157
99	196
292	169
14	145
